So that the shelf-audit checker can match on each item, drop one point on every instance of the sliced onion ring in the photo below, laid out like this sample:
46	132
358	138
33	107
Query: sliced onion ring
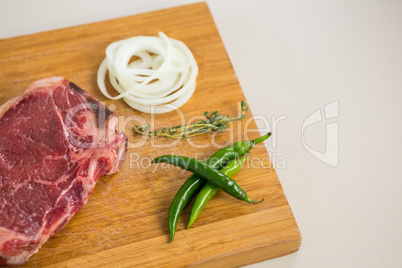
161	78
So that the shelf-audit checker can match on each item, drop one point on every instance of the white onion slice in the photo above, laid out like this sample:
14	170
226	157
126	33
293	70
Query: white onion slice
161	78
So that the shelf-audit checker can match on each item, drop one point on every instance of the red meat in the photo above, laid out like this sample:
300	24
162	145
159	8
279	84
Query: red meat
55	142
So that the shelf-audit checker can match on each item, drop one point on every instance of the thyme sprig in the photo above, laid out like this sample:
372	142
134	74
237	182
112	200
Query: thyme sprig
213	122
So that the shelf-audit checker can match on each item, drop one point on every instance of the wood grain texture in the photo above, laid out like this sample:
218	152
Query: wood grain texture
124	223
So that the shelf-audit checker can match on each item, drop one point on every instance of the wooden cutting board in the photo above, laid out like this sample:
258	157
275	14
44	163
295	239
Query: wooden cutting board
124	224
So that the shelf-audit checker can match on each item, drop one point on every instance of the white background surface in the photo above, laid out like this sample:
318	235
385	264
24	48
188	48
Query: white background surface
293	58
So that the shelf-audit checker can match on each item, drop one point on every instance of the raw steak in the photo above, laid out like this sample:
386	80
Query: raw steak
55	142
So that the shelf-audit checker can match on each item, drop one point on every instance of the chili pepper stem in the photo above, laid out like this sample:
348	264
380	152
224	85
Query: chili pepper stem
262	138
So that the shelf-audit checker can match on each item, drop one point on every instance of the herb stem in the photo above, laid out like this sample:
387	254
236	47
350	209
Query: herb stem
213	122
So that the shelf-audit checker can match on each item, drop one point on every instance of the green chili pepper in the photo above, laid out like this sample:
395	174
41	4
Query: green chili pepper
209	189
194	182
208	173
180	200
